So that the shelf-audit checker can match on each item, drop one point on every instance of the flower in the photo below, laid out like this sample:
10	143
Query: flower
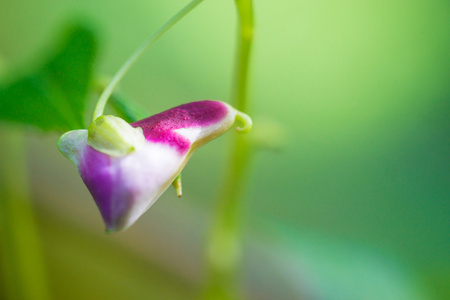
127	167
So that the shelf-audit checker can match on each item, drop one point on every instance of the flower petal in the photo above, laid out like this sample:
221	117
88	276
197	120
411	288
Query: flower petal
189	126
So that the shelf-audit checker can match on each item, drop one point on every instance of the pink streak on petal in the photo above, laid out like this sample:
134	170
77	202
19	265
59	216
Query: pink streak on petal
160	128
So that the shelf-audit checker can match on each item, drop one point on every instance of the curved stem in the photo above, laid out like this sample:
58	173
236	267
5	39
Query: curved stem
224	248
246	121
136	55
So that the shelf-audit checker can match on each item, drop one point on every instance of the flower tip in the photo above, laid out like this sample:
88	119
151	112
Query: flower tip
246	122
113	229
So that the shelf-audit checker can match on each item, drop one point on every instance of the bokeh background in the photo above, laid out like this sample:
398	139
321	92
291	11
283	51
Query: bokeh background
348	195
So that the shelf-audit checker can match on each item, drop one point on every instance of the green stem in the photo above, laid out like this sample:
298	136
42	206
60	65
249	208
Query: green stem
20	246
122	106
245	13
224	248
99	108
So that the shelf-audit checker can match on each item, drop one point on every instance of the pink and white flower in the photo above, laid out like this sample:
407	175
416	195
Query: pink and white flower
127	168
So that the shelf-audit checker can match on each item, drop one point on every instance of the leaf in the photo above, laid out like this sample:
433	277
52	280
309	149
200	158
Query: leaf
54	97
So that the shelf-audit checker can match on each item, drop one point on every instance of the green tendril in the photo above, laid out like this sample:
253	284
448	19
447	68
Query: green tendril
101	103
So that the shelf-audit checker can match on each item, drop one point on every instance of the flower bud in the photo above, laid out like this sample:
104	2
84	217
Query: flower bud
127	167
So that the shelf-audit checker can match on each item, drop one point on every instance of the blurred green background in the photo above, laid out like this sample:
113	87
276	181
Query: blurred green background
351	201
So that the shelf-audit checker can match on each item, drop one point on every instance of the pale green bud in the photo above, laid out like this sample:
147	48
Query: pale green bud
113	136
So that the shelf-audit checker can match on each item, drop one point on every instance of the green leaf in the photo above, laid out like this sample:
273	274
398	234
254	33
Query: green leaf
54	96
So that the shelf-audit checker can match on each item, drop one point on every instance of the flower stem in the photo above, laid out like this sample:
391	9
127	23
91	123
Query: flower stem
22	261
245	13
224	248
99	108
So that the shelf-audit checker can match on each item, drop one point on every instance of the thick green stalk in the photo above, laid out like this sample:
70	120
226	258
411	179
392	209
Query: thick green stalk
99	108
224	248
22	262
